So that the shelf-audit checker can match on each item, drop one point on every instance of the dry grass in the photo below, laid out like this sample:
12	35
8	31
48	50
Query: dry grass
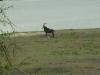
71	52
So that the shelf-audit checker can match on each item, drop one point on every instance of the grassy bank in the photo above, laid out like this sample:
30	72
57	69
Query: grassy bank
71	52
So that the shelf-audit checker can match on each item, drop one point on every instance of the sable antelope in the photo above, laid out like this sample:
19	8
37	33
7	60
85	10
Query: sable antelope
48	30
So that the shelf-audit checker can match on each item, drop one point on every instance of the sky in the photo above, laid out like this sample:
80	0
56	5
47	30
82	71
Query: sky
29	15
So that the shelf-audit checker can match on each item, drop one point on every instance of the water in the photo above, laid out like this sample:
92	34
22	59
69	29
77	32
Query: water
29	15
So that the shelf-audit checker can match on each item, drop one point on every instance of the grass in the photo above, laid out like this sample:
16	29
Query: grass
71	52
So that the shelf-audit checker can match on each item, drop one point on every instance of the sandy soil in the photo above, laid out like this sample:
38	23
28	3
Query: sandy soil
26	34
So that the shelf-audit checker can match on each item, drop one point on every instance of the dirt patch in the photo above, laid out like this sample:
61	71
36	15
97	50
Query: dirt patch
47	70
16	71
26	34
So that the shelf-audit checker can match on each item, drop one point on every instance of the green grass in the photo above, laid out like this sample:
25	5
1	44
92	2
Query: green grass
71	52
